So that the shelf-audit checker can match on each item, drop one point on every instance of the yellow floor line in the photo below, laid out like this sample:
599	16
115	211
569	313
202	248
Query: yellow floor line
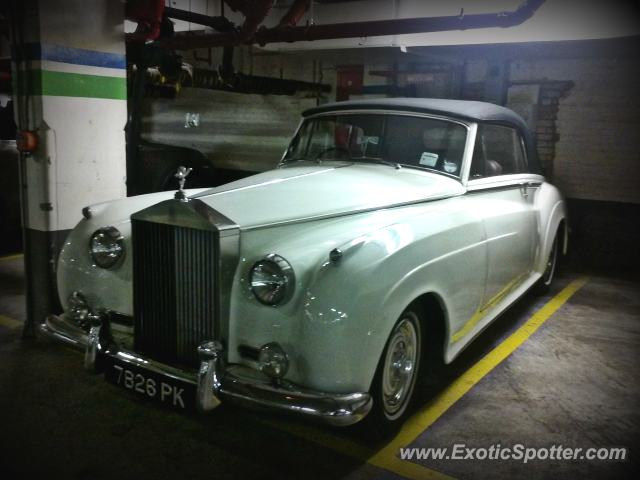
387	457
11	257
10	322
423	419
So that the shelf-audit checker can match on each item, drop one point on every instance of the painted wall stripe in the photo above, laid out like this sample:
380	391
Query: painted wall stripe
423	419
77	56
10	322
50	66
42	82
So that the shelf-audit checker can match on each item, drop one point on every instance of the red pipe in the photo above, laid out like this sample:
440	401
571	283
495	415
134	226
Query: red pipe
363	29
148	16
295	13
254	14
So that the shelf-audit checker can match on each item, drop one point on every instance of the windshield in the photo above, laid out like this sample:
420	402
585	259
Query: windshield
374	137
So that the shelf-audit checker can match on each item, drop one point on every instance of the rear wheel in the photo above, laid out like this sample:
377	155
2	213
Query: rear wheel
544	284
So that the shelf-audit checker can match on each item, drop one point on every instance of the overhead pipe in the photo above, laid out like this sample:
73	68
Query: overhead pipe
254	11
221	24
295	13
148	16
291	34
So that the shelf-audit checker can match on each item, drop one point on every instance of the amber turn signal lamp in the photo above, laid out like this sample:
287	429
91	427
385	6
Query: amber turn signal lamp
26	141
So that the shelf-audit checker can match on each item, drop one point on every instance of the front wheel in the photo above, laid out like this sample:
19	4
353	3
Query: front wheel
397	372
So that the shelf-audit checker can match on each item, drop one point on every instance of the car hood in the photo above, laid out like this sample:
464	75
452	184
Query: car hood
300	192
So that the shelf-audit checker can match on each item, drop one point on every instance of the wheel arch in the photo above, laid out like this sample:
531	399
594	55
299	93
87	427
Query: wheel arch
435	329
557	223
435	319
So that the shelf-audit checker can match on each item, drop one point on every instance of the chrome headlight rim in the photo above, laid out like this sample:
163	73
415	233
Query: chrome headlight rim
108	260
281	295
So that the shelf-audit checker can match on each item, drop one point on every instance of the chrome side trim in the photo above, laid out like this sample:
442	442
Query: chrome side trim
497	188
216	382
499	182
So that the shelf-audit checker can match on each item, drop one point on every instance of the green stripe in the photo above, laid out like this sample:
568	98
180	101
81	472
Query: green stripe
60	84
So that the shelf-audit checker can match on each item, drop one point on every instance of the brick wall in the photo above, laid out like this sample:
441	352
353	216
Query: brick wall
546	121
593	144
588	128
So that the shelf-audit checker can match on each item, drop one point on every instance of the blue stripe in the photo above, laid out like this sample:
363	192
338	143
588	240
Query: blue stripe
76	56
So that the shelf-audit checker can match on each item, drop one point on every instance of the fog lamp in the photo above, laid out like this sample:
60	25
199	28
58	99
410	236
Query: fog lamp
273	360
78	307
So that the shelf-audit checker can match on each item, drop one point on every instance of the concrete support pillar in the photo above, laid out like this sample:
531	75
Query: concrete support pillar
70	88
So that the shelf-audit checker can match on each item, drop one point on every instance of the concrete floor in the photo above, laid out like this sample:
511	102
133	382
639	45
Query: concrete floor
575	382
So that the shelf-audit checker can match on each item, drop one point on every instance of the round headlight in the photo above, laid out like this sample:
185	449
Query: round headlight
107	247
272	280
273	360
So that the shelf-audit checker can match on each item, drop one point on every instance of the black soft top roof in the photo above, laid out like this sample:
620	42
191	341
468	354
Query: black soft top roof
461	109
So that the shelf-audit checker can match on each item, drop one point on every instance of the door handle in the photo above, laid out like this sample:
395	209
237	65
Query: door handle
524	187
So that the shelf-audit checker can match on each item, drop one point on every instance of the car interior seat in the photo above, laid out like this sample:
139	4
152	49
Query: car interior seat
493	168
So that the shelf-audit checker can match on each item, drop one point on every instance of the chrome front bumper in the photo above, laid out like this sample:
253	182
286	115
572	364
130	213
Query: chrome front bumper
215	381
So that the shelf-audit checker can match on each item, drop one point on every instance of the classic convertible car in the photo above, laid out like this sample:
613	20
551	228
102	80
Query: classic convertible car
391	234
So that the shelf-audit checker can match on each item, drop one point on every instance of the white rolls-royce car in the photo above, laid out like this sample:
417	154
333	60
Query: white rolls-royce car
391	234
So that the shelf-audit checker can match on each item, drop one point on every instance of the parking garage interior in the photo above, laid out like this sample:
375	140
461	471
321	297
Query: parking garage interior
104	101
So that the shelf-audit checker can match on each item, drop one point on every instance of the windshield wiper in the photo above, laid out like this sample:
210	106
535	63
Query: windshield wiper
299	159
378	160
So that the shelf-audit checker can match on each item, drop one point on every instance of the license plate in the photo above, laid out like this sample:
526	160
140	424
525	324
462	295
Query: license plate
171	392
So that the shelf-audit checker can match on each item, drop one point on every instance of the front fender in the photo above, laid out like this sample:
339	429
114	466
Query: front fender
352	305
109	289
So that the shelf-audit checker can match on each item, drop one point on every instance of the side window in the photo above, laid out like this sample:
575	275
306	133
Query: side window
498	151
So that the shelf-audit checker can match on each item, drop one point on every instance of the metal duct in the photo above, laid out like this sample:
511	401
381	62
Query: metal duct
362	29
190	77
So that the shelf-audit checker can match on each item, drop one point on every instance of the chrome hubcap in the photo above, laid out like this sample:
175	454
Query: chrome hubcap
399	367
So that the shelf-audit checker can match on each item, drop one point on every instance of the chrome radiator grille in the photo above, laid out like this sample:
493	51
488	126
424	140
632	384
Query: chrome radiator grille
174	294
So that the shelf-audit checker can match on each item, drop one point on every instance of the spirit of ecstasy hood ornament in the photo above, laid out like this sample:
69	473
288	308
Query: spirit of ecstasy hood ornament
181	175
